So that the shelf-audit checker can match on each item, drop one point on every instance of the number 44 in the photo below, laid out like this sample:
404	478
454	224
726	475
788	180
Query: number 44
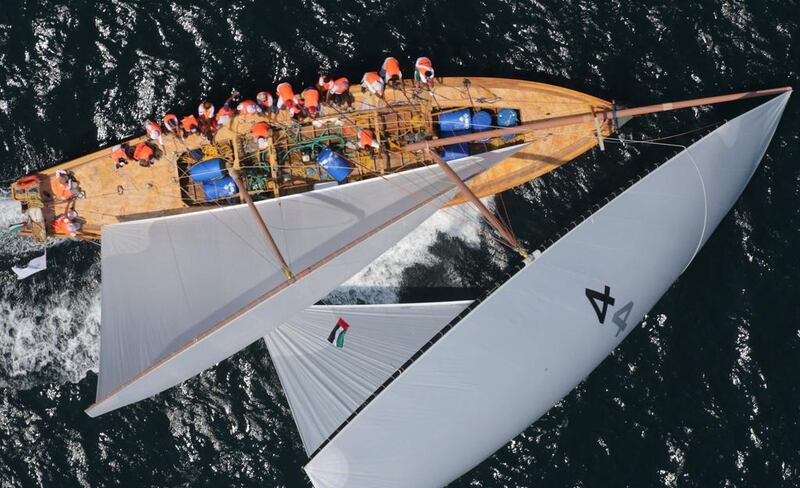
602	301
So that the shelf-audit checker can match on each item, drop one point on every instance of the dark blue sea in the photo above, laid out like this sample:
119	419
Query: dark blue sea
703	394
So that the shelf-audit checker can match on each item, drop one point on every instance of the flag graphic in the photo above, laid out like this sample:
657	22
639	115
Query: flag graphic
336	336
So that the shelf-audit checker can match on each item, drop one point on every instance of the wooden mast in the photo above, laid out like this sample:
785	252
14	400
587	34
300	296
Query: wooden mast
262	225
490	217
588	117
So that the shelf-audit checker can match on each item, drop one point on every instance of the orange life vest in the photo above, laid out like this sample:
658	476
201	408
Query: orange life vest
261	129
340	86
311	100
170	122
248	107
365	138
190	121
391	68
143	152
153	130
224	115
372	81
204	112
63	190
285	93
61	225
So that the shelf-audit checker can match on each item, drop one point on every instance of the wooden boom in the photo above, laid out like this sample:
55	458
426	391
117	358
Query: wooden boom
588	117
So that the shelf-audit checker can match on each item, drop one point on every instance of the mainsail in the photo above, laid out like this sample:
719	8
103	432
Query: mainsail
519	351
179	291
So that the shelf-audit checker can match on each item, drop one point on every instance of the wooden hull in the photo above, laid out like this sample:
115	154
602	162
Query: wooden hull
133	192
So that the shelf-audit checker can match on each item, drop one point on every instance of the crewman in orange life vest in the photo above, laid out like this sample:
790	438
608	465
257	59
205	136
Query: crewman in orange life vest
119	156
170	121
285	95
366	139
154	131
224	115
324	83
311	101
423	71
67	224
261	134
339	93
248	107
390	71
264	99
190	125
144	154
65	186
373	83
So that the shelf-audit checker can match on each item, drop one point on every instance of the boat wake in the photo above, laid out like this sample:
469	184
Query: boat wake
48	334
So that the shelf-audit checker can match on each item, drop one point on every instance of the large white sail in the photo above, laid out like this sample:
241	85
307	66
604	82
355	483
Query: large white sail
178	291
536	337
330	359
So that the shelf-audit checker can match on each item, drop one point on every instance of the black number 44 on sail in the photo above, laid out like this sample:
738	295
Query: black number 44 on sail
602	301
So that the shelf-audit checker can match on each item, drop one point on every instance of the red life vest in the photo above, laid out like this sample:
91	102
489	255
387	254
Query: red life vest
143	152
63	190
153	130
391	68
285	94
311	100
372	81
170	122
205	112
340	86
224	115
190	121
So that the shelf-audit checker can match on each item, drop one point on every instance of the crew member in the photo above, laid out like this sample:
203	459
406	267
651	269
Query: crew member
154	131
339	93
311	101
391	71
373	83
261	134
423	71
170	121
144	154
248	107
65	187
190	125
366	139
264	99
324	83
205	111
119	156
67	224
224	115
285	95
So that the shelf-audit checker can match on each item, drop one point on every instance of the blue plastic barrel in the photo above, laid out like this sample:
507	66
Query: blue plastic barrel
338	167
508	117
481	121
456	151
207	170
220	188
459	120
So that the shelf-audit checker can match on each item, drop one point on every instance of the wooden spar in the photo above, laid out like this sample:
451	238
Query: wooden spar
489	216
588	117
267	235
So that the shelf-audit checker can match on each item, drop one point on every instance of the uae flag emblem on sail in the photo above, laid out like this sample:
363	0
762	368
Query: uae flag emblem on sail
336	336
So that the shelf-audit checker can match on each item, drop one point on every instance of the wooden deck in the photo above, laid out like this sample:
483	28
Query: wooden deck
114	195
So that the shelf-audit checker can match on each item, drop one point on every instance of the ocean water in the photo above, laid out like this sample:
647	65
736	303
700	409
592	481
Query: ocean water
705	391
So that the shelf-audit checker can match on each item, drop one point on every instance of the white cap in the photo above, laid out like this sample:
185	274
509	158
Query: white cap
262	143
